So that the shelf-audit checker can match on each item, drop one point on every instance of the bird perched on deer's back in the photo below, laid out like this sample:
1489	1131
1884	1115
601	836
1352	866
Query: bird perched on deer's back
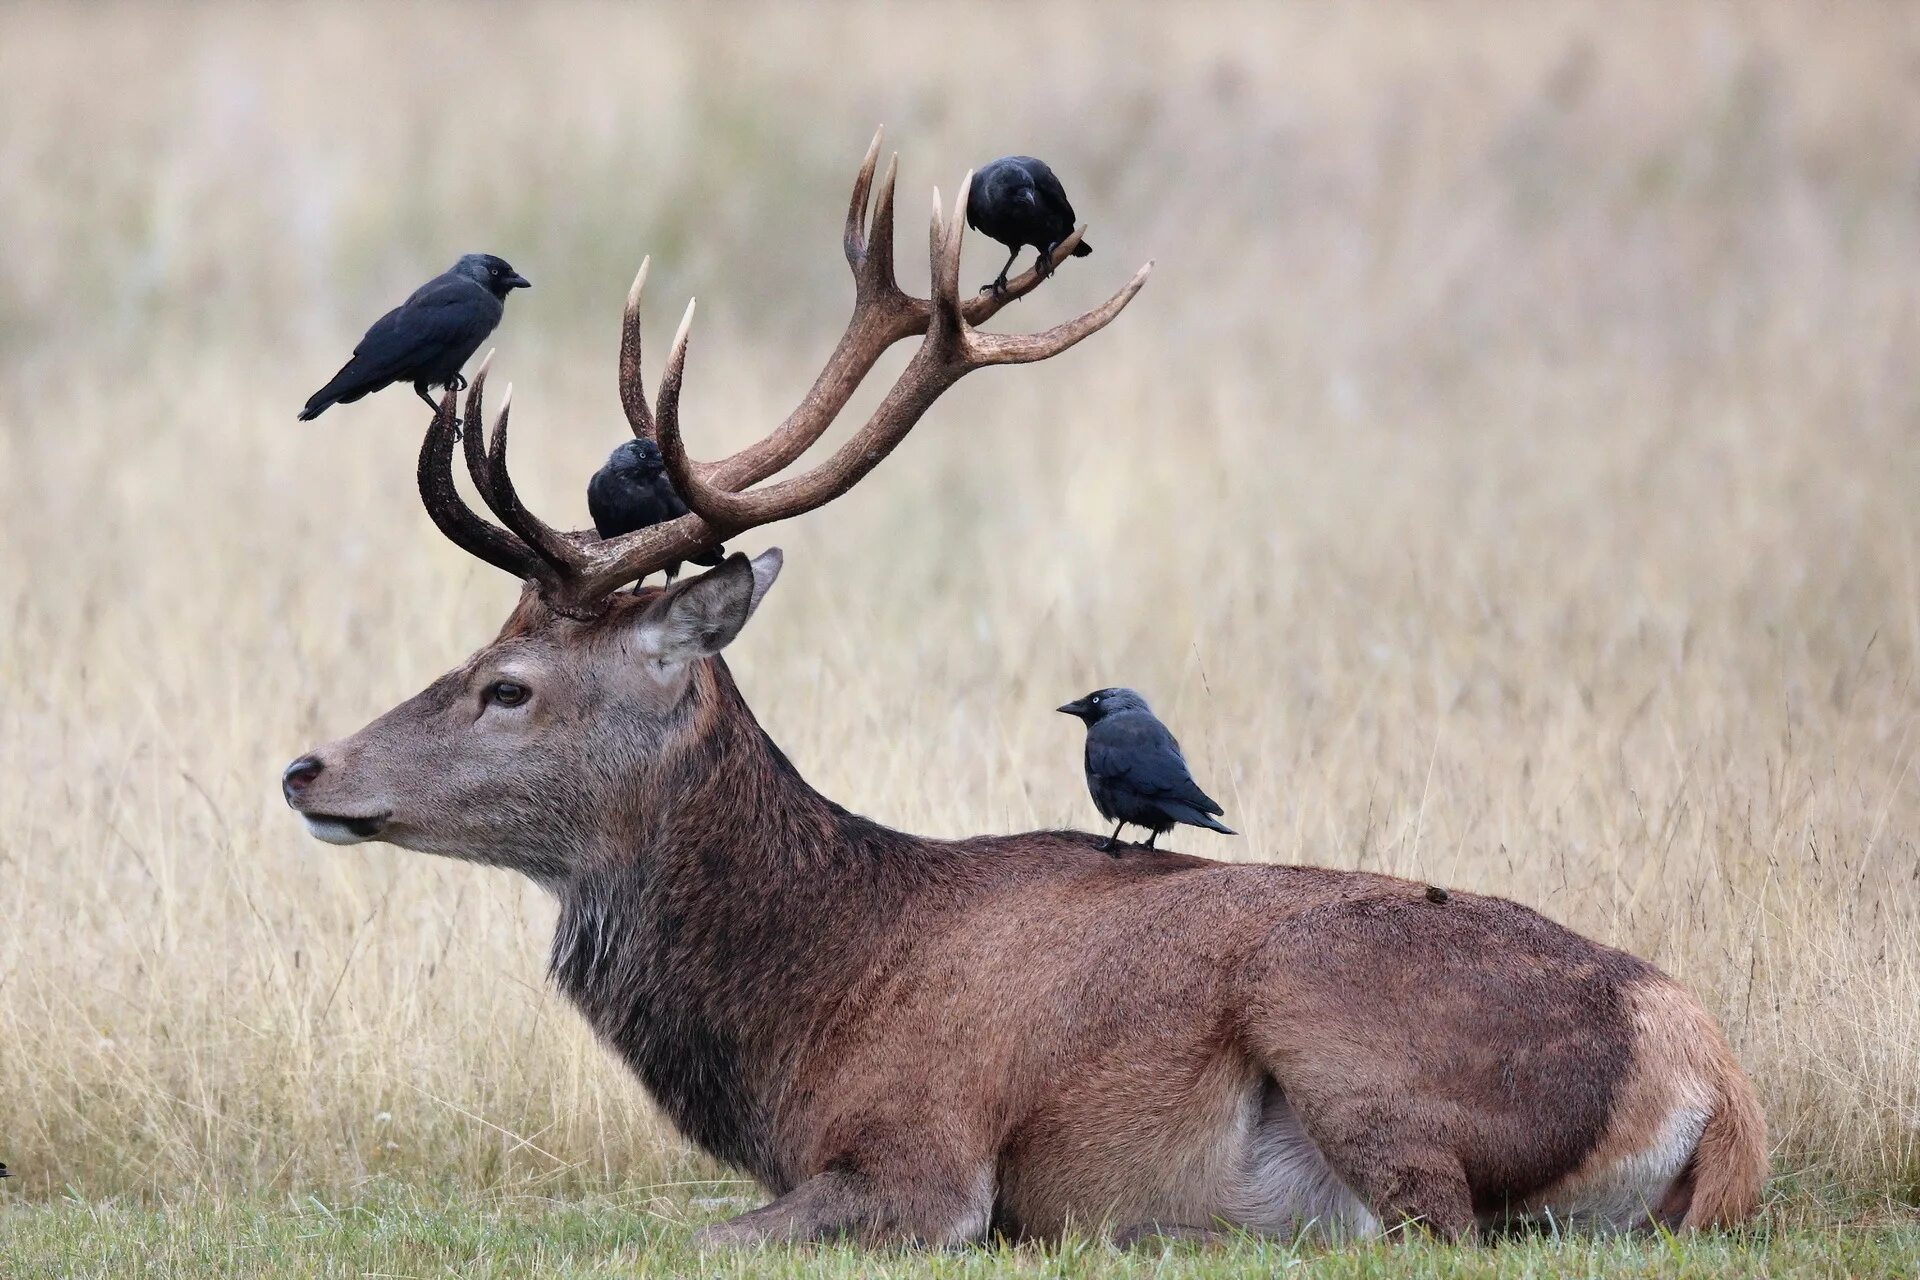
1135	770
427	339
633	491
1017	201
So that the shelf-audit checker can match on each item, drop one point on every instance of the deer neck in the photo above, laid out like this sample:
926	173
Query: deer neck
726	926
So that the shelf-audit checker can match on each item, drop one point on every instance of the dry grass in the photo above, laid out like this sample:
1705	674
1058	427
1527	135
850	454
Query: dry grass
1508	477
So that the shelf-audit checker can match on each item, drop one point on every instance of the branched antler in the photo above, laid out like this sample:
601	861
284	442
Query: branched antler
574	570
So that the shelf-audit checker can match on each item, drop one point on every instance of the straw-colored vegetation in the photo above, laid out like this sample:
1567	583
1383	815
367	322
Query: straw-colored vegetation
1508	477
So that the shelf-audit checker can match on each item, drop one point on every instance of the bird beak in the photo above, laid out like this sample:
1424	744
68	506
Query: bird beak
1078	707
518	281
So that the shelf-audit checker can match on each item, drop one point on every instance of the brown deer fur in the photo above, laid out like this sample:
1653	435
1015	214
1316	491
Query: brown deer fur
907	1039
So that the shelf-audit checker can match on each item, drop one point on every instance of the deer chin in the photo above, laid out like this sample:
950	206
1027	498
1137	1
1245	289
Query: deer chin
335	829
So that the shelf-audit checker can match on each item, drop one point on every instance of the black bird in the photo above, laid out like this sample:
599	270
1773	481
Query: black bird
1135	770
634	491
1017	201
429	337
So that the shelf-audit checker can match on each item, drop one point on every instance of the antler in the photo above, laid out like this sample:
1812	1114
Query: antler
574	570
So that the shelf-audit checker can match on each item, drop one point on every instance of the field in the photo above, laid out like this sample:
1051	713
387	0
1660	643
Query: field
1507	478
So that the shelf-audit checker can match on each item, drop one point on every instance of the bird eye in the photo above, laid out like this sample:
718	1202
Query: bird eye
494	270
1095	699
505	693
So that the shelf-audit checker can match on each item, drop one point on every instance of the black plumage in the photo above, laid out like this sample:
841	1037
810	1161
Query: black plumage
1017	201
633	491
1135	770
427	339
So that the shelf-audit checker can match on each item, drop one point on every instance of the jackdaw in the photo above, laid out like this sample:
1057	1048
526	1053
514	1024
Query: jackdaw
1017	201
429	337
634	491
1135	770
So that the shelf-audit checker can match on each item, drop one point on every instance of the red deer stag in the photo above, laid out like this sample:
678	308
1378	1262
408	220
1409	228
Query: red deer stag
924	1040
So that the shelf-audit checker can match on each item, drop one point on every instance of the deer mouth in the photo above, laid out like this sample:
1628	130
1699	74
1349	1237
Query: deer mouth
338	829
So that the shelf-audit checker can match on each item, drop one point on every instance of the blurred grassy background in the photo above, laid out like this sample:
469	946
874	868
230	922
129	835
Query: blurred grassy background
1507	478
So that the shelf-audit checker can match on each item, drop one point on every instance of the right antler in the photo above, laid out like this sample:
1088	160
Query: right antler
575	570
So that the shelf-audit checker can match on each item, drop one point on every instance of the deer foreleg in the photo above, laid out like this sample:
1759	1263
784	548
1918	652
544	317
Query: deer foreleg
864	1201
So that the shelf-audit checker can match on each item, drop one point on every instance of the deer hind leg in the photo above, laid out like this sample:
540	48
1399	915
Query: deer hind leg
868	1202
1421	1191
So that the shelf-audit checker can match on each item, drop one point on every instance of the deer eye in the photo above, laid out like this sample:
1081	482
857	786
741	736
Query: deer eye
505	693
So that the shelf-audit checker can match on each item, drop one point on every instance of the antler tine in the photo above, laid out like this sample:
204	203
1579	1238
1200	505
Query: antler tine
452	515
854	240
633	391
473	436
702	499
880	234
1025	348
545	541
944	255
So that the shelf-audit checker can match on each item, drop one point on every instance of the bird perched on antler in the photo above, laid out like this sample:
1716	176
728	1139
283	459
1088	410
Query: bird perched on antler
633	491
1018	201
1135	770
427	339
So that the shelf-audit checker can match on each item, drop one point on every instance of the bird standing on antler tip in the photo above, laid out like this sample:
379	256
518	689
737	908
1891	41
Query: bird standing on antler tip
1018	201
427	339
1135	770
633	491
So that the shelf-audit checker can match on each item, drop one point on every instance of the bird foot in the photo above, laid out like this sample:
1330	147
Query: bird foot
998	288
459	382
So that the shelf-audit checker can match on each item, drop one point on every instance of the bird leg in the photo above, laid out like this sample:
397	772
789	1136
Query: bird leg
1044	263
420	389
998	285
1112	845
1152	835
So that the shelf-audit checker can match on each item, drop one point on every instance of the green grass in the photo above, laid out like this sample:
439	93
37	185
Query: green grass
391	1231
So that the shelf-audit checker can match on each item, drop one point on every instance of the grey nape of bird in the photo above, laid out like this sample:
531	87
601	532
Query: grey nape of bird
427	339
633	491
1017	201
1135	770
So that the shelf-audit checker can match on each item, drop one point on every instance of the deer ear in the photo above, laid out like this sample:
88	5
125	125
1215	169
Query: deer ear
701	616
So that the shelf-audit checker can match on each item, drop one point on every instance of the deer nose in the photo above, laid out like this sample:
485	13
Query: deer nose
299	776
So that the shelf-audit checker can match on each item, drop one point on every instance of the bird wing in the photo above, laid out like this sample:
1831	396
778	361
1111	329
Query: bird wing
1138	750
442	316
1052	195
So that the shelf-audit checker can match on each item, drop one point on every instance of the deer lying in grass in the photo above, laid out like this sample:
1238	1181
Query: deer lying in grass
923	1040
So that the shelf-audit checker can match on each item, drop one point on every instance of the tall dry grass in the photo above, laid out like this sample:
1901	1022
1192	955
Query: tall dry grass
1507	478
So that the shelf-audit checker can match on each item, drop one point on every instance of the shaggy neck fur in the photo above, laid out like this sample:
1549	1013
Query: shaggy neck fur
739	918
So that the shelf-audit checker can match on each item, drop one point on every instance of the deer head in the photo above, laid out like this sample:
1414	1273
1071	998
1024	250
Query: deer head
546	749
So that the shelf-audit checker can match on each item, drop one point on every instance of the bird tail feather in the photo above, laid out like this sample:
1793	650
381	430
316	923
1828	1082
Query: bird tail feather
1195	818
1082	249
344	387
